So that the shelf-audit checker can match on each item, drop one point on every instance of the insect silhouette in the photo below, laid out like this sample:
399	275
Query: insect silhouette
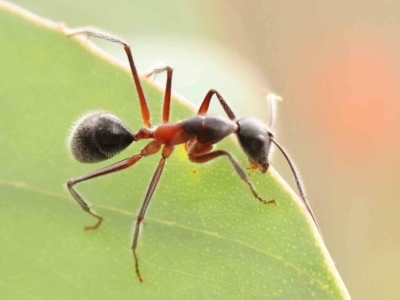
99	136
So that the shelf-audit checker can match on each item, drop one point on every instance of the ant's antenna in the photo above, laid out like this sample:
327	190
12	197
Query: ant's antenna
272	98
299	184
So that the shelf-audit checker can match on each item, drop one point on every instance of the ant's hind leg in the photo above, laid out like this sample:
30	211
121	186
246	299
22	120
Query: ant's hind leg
150	149
84	206
91	32
103	171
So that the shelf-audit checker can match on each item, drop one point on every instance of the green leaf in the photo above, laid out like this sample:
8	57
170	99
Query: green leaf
204	237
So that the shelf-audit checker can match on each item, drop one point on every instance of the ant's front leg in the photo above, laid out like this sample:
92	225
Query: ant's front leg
199	153
206	103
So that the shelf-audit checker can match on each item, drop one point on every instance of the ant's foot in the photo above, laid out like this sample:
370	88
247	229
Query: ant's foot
267	202
100	219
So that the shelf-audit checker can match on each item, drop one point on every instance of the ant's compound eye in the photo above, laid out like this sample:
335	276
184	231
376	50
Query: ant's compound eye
254	137
98	136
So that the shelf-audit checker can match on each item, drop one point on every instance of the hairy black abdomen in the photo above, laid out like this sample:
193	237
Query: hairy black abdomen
99	136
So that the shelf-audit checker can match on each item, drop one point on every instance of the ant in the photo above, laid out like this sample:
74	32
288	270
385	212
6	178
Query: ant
98	136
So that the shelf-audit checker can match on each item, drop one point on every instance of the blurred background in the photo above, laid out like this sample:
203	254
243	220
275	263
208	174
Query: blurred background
337	66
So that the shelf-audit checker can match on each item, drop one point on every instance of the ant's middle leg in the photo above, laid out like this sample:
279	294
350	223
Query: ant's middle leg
166	152
199	153
167	95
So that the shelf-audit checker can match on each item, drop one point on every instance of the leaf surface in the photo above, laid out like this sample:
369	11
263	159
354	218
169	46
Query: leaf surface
204	237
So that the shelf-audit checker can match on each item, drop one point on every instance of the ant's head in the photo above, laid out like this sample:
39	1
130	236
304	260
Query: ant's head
97	136
254	137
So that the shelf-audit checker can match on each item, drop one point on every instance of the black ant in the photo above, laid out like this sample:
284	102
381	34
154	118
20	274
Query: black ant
101	135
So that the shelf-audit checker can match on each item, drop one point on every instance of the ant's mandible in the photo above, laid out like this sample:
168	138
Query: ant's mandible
99	136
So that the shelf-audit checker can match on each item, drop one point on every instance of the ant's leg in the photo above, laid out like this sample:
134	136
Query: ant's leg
167	151
150	149
167	95
101	35
202	158
206	103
